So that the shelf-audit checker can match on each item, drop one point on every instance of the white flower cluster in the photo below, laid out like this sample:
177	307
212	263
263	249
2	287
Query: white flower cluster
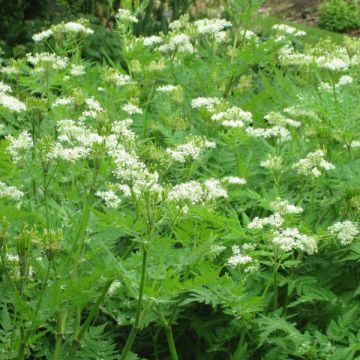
291	239
209	103
77	70
10	70
191	150
313	164
346	231
130	170
47	61
63	101
288	56
168	88
233	117
93	109
121	129
114	287
194	192
18	145
234	180
178	43
283	206
71	27
355	144
152	40
272	163
43	35
275	118
122	79
10	192
238	258
343	81
110	198
275	220
132	109
71	154
211	26
126	16
75	141
286	30
333	59
299	111
8	101
280	133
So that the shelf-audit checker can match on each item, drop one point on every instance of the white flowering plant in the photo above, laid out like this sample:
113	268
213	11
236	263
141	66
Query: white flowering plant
197	192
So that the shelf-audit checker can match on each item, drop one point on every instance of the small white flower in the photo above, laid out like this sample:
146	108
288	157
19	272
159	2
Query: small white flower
125	15
275	220
10	192
313	164
272	163
18	145
291	239
114	287
152	40
208	103
132	109
234	180
43	35
110	198
65	101
346	231
77	70
283	206
238	258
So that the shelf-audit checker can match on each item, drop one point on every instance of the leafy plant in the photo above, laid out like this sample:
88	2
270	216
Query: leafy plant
339	15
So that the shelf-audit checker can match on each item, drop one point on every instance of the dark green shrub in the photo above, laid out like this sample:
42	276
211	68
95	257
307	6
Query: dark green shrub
339	15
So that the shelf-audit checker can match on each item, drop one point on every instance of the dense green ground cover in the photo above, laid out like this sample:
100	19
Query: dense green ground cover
197	198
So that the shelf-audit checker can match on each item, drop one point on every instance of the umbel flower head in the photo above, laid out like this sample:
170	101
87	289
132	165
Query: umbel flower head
345	231
73	27
314	164
10	102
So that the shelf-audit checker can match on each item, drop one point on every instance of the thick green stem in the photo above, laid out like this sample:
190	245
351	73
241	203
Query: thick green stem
21	351
60	334
171	343
135	328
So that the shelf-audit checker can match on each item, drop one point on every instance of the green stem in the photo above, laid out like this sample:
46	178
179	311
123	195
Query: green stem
60	334
90	318
171	343
77	248
135	328
237	353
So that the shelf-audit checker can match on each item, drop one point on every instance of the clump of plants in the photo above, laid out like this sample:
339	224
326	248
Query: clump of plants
339	15
197	199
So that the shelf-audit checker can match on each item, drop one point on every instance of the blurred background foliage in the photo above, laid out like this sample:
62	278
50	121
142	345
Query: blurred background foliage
20	19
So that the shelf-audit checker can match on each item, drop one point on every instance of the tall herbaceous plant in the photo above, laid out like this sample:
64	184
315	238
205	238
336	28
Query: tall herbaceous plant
198	198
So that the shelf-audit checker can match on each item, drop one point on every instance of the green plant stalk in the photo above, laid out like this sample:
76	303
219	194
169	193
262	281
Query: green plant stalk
90	318
276	290
60	333
23	343
135	327
81	235
171	343
240	344
169	335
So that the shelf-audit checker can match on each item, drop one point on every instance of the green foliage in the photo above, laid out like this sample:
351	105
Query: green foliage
193	195
339	15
